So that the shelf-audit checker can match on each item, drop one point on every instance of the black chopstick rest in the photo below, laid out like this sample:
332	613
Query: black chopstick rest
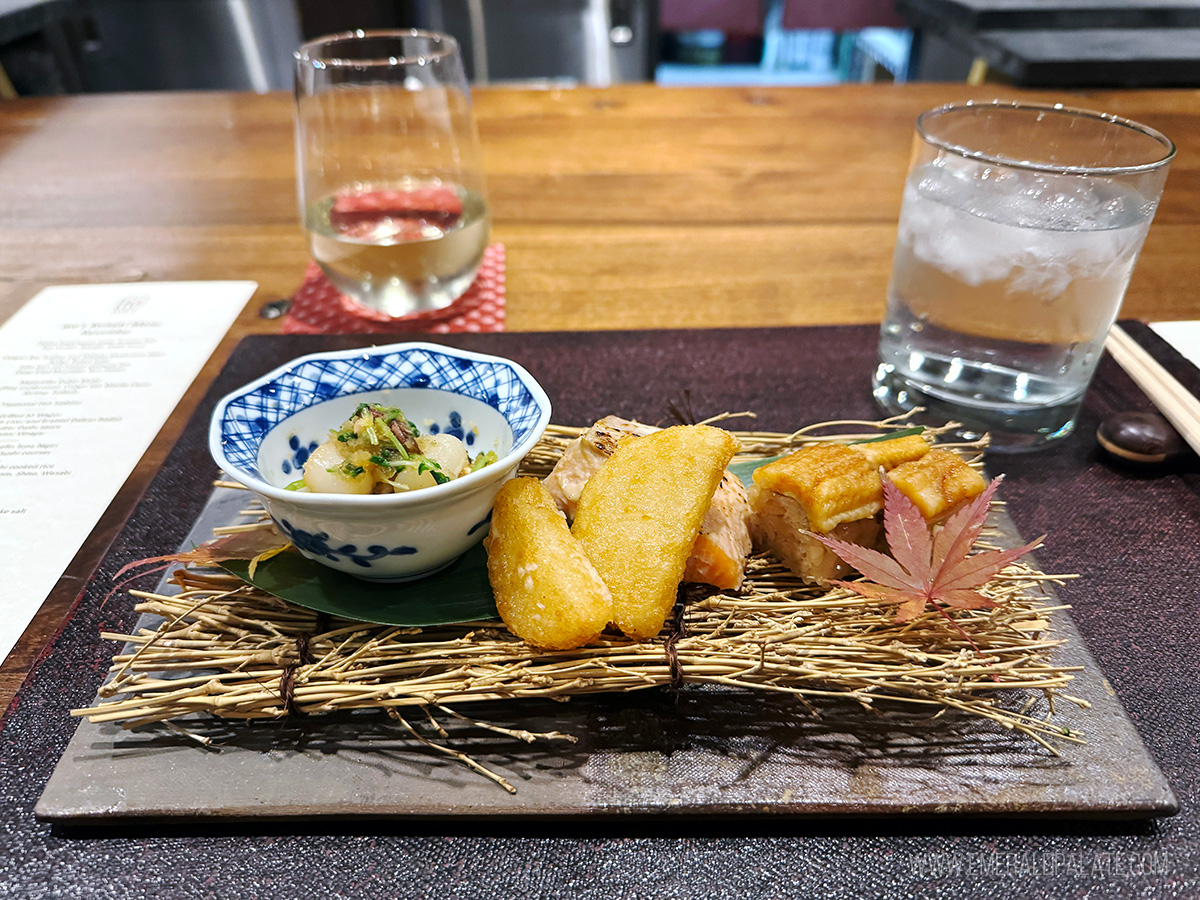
1141	438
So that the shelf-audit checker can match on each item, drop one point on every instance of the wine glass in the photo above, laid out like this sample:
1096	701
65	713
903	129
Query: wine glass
389	173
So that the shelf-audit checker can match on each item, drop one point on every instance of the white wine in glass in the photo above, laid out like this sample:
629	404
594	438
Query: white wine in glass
389	171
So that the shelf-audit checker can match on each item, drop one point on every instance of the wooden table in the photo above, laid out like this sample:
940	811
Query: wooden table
628	208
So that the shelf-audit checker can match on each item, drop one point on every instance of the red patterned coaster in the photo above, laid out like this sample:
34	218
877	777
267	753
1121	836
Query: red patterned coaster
319	308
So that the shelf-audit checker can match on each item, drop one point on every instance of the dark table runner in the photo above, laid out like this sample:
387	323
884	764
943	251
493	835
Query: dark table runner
1135	536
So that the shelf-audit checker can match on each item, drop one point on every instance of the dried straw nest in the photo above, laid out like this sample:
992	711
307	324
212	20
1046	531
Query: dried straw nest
227	649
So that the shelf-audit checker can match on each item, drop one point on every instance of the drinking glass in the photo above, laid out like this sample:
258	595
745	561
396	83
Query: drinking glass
389	173
1018	233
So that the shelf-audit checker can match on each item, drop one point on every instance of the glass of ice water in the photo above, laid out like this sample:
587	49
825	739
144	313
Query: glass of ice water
389	170
1018	233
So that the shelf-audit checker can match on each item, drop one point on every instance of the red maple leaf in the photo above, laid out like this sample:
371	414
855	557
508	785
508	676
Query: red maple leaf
924	568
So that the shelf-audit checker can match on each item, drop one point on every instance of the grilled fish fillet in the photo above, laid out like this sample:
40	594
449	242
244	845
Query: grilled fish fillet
938	483
829	489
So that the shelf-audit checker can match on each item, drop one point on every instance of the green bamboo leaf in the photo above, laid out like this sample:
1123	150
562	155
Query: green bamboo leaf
458	593
892	435
745	470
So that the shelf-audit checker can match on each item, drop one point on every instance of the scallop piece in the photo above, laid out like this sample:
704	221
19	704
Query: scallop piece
411	478
446	450
323	473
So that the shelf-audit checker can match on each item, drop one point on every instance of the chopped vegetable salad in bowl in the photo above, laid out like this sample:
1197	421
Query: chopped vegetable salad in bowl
382	462
378	450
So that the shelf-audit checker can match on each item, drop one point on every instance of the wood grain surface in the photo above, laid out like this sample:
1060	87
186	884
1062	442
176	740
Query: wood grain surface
625	208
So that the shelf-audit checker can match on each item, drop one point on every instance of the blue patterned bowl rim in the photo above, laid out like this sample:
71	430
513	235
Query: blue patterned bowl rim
243	417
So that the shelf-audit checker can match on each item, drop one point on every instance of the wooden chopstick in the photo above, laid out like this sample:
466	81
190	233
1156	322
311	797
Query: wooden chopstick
1178	405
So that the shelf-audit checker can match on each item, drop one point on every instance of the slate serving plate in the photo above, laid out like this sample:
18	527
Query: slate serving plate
707	752
702	751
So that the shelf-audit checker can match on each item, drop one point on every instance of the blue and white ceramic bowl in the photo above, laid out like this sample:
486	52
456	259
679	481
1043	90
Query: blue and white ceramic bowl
262	434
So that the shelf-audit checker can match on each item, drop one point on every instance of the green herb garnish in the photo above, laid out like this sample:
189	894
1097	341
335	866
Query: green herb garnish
483	459
434	468
404	454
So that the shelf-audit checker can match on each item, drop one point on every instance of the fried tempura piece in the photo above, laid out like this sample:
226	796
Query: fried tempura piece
584	456
719	555
639	515
547	590
938	483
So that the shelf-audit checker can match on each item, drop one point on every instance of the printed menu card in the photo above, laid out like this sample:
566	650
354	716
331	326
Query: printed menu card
88	376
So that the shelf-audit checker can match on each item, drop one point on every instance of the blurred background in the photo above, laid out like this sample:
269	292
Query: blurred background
80	46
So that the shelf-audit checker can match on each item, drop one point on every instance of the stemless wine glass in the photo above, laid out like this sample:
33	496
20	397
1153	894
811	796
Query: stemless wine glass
389	173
